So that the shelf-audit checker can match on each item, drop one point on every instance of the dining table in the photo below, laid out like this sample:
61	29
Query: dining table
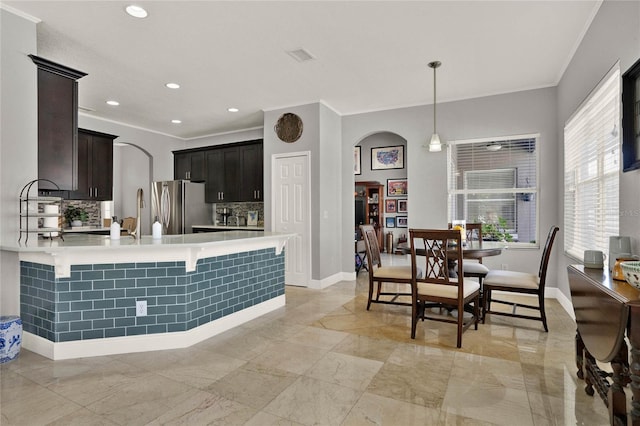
475	249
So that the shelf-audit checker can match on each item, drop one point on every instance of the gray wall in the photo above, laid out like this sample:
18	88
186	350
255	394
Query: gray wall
526	112
613	35
321	137
18	144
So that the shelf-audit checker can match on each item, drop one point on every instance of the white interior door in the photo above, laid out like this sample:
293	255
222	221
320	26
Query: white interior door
291	213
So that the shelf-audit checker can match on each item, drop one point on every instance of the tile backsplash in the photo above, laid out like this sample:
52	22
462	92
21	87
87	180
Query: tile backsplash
241	210
92	208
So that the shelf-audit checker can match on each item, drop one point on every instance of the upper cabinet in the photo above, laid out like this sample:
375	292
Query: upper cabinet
231	172
57	125
95	166
189	165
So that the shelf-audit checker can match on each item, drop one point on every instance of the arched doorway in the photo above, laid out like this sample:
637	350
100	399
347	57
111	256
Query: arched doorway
132	169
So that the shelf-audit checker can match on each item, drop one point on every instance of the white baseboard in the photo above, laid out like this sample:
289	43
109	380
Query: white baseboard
148	342
333	279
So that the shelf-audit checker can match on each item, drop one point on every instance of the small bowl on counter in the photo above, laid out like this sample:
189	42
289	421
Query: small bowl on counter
631	272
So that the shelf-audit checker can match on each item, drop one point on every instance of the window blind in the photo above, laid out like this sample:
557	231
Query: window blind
591	169
494	181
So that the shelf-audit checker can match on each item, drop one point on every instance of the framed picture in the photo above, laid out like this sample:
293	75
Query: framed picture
401	221
390	206
631	118
389	222
397	188
357	160
388	157
402	206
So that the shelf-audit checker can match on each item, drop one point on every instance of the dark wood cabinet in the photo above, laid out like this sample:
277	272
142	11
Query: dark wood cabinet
370	202
231	172
57	125
190	166
251	159
223	175
95	166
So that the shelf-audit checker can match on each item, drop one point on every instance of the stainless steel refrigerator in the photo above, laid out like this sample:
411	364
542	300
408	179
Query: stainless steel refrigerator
178	205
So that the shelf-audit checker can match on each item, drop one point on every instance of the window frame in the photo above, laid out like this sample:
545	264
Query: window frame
574	252
528	190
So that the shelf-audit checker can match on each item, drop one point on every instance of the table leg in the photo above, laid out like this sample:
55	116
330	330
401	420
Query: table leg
579	355
615	395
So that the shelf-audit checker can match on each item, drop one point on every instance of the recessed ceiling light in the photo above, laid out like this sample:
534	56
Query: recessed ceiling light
136	11
173	85
176	121
233	109
113	103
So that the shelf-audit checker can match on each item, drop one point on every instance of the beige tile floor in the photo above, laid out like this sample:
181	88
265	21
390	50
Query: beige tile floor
321	360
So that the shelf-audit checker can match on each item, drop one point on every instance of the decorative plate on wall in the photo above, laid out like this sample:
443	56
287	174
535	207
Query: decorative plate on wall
288	127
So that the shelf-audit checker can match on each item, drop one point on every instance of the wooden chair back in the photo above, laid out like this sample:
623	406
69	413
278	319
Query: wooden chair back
371	244
439	250
546	254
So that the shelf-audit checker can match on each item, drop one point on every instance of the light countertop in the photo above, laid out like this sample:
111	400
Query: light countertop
86	249
230	227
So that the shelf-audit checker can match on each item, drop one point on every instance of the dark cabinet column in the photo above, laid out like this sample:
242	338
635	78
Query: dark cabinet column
190	166
95	166
57	124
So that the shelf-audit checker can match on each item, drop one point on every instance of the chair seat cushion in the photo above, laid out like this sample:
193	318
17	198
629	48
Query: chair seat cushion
448	291
511	279
395	272
475	268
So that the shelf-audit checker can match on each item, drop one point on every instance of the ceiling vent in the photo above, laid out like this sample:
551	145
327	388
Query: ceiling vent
300	55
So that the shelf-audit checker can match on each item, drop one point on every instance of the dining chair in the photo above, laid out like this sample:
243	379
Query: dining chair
379	274
474	269
438	251
520	282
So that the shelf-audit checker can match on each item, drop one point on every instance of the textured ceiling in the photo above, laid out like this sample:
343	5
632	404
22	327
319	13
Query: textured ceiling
368	55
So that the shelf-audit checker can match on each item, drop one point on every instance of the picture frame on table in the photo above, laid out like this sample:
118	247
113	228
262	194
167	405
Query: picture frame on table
357	161
401	221
402	206
389	206
631	118
387	157
389	222
397	188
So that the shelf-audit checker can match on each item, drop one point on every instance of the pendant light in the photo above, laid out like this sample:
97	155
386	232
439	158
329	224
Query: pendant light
434	145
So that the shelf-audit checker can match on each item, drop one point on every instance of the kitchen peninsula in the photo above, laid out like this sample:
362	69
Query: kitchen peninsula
89	295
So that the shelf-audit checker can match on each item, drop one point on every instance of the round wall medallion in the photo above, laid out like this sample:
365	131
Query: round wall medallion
288	127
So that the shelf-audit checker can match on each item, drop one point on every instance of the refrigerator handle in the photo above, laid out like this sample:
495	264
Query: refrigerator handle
165	207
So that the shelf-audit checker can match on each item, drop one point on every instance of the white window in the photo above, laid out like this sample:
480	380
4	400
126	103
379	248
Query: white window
494	181
592	168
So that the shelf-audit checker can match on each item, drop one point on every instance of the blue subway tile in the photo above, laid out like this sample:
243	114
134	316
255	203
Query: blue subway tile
166	319
69	336
145	265
80	325
114	313
103	285
156	291
69	316
71	296
125	265
113	274
157	272
136	273
166	281
146	282
114	294
156	329
93	295
92	275
103	323
104	304
81	268
92	334
124	303
176	327
126	283
125	322
114	332
93	315
166	300
136	331
148	320
136	292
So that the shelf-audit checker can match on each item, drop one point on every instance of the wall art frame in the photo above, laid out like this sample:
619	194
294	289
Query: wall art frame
631	118
389	222
402	206
387	157
357	160
402	221
390	206
397	188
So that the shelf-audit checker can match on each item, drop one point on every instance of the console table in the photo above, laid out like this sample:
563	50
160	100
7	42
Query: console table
606	312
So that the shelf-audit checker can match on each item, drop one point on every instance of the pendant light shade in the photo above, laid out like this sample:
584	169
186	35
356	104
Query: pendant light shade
434	145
